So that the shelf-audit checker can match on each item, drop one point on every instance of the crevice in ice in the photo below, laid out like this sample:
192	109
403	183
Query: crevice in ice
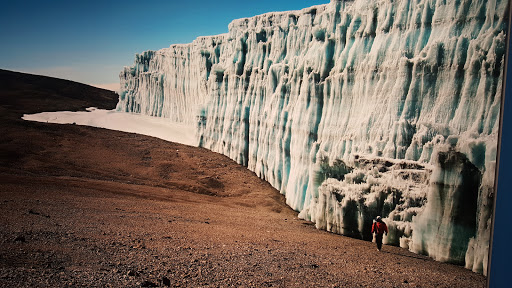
444	228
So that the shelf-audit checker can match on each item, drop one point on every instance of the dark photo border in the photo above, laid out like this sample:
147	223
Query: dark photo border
500	252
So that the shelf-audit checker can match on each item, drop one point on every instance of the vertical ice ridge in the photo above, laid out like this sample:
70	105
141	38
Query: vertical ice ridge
347	108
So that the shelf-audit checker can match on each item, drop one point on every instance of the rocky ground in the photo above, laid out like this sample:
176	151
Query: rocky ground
88	207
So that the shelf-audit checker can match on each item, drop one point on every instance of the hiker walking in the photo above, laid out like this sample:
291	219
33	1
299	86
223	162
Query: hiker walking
379	228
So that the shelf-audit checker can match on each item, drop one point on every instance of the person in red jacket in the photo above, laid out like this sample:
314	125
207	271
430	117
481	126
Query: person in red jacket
379	228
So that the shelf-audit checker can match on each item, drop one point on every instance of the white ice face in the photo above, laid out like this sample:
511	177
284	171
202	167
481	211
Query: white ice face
351	110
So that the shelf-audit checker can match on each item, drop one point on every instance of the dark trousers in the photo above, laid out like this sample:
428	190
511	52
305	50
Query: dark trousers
378	239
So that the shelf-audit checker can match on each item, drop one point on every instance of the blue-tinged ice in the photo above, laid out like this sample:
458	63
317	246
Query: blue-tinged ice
352	110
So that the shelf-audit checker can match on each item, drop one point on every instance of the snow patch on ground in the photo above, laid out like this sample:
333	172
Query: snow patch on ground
127	122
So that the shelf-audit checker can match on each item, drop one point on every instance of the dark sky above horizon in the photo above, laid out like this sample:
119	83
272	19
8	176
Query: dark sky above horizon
91	41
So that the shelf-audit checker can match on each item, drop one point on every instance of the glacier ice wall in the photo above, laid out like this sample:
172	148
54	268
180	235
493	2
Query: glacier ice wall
352	110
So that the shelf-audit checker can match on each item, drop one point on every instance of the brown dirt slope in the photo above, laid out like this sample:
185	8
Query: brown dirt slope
87	207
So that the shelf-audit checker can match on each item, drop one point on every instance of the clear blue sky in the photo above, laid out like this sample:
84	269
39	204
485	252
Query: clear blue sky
91	41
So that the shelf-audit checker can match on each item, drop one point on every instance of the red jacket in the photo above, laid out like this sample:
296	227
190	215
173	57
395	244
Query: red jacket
379	228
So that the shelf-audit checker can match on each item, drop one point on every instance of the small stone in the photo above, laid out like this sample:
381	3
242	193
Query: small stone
20	238
166	281
147	283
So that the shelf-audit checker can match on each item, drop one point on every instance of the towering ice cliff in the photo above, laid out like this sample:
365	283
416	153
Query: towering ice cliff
352	110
